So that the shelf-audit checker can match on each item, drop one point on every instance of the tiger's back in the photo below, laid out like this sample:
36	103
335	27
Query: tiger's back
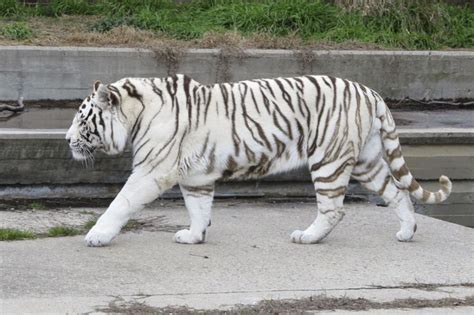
260	127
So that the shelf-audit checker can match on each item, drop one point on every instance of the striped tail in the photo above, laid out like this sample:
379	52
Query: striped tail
398	166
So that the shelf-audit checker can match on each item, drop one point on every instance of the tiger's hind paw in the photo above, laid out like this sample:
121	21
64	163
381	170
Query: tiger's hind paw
405	236
186	237
406	232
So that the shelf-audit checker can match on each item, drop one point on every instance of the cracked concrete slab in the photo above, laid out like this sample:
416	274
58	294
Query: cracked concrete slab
248	258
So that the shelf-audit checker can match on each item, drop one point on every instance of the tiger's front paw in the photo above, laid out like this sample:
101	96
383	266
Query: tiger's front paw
98	237
302	237
297	237
186	237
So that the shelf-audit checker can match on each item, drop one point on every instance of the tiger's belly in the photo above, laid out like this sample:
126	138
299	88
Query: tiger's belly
262	164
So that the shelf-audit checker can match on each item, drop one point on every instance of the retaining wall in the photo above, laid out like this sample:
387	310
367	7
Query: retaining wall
68	72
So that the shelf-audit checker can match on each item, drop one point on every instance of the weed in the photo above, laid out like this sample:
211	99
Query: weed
62	230
15	234
133	224
36	205
89	224
11	8
71	7
87	212
17	31
109	23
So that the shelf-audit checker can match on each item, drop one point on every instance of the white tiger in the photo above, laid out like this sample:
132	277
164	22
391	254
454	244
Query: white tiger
186	133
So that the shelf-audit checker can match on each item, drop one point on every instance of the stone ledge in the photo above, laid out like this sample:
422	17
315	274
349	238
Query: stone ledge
68	72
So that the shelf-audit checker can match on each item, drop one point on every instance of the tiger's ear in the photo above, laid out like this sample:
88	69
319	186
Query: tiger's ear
106	96
96	85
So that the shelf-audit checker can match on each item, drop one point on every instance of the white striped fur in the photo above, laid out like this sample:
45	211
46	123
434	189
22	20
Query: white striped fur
186	133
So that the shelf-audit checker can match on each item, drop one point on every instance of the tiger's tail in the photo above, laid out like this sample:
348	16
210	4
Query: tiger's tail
404	178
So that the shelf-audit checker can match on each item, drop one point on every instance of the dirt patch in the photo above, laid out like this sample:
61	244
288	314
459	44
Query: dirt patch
53	204
430	105
305	57
47	104
224	59
40	218
424	286
314	303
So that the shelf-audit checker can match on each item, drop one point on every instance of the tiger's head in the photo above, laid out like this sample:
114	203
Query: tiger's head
99	124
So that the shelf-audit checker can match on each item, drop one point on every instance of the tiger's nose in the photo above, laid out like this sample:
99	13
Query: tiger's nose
69	135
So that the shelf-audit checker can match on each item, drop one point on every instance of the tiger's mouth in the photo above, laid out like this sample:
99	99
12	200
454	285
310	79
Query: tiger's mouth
82	152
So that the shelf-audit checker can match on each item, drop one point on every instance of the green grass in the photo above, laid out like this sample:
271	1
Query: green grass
36	205
17	30
15	234
58	231
413	24
132	224
89	224
61	230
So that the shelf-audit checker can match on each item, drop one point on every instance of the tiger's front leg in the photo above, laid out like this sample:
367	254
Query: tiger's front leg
136	193
198	200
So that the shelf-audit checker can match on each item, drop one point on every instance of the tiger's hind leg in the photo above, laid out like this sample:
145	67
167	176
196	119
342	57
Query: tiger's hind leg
373	172
330	182
198	200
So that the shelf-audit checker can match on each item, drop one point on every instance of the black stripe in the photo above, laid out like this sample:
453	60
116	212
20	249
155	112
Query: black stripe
207	98
287	122
267	84
300	139
186	83
148	127
254	101
140	147
286	96
131	90
235	136
261	133
225	96
197	100
144	159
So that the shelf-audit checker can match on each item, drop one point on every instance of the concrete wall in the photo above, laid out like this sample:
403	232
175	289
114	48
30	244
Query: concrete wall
68	72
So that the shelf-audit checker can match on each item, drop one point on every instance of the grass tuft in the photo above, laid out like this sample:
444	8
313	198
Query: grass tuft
131	225
16	31
89	224
15	234
36	205
61	230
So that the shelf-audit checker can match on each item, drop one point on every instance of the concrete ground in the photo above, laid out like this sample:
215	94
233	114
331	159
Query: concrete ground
248	258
